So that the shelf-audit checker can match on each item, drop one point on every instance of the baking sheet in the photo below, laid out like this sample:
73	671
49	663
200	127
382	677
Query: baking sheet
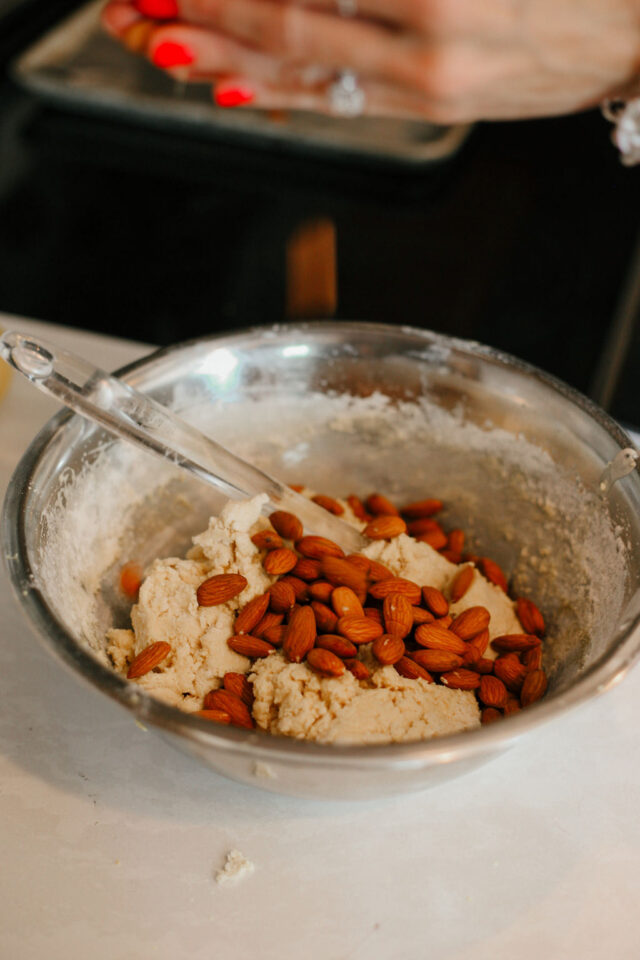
77	65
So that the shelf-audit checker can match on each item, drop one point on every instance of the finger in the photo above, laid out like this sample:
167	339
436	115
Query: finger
117	17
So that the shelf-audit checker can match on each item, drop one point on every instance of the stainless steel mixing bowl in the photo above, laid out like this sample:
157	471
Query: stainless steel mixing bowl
516	455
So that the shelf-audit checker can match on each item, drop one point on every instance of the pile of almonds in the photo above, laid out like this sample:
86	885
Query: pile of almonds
324	605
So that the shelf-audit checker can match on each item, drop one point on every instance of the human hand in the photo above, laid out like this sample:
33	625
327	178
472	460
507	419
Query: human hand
440	60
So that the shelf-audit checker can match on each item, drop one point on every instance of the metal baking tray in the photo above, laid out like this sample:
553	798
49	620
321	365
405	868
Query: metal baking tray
76	65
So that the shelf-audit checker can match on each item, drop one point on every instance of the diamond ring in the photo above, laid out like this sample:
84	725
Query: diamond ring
346	96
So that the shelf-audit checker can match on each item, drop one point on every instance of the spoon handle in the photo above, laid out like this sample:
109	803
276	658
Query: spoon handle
132	416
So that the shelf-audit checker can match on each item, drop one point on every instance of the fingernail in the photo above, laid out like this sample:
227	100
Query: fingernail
169	54
157	9
233	96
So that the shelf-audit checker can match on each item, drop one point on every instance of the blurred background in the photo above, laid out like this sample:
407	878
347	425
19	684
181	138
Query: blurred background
132	206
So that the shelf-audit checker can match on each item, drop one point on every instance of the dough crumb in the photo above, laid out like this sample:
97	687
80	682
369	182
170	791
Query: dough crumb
236	868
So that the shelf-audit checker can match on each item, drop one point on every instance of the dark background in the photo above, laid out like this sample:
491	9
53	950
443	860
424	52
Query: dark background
525	241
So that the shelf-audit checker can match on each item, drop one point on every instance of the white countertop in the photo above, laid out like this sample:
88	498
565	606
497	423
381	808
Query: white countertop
110	838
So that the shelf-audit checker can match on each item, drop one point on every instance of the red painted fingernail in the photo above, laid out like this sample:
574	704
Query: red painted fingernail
233	96
170	54
157	9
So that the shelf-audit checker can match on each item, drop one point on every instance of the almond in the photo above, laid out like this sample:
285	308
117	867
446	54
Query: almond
216	716
533	688
493	573
437	539
381	506
480	643
317	547
435	601
131	578
421	508
529	616
452	556
374	614
231	704
388	649
481	665
492	691
532	659
470	622
340	646
300	588
325	663
359	629
250	646
509	669
409	589
251	615
268	621
416	528
147	659
321	590
282	597
358	669
515	642
461	583
306	569
385	528
359	561
435	637
445	621
280	561
412	670
267	540
358	508
489	714
298	487
238	684
378	571
220	589
345	603
326	619
343	573
397	614
328	503
511	706
420	615
300	634
274	635
461	679
455	541
438	661
286	524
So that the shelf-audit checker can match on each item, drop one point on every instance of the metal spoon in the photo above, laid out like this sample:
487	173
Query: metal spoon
130	415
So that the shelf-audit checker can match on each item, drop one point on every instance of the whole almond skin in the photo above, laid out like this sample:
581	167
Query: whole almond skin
412	670
343	573
306	569
421	508
533	688
280	561
328	503
274	635
479	643
231	704
345	603
462	583
251	615
282	597
382	588
317	547
321	590
338	645
300	588
455	541
286	524
435	601
267	540
397	614
385	528
420	615
378	571
489	715
436	637
249	646
238	684
325	663
529	616
215	715
358	508
357	668
492	692
359	629
493	573
482	665
326	619
300	634
461	679
388	649
452	556
438	661
437	539
130	579
415	528
373	613
220	589
470	622
509	669
380	506
269	620
147	659
515	642
511	706
532	659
